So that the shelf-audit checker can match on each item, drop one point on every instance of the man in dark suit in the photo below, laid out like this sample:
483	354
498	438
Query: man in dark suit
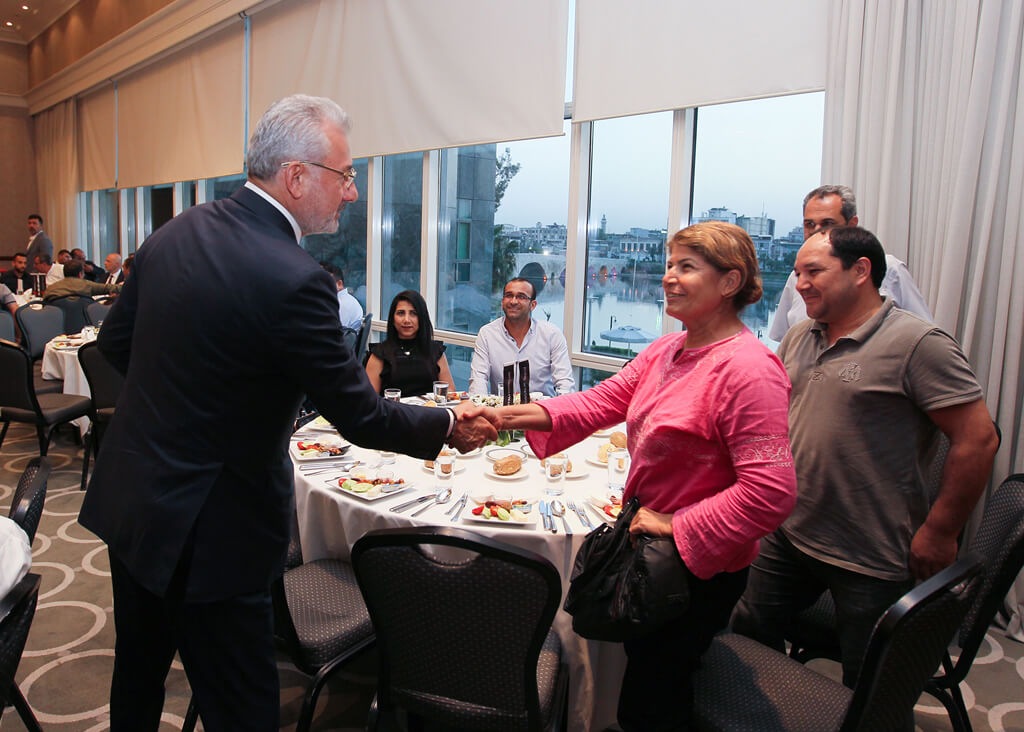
38	241
114	273
224	324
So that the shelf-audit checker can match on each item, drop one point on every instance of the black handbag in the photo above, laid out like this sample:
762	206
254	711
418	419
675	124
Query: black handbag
621	591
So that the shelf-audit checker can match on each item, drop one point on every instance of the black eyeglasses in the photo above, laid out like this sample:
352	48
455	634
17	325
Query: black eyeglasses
517	296
349	175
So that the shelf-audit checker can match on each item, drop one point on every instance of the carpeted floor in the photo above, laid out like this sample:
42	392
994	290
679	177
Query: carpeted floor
66	667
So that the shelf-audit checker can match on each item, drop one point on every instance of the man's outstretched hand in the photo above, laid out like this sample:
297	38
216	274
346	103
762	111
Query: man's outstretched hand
475	426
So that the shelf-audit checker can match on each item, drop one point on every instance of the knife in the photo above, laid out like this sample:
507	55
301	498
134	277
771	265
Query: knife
461	505
551	521
414	502
451	509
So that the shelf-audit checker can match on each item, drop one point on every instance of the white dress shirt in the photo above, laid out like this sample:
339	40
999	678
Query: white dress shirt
112	276
350	312
897	284
56	273
544	346
276	204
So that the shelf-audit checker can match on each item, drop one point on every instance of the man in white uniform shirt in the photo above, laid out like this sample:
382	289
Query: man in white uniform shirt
53	272
837	206
518	337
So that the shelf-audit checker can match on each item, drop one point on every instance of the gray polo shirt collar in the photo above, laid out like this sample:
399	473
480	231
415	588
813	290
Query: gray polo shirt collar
866	329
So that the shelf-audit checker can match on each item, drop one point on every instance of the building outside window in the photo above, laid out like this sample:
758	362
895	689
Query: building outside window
402	210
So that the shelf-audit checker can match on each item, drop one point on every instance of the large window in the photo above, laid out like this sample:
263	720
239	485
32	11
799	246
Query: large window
109	225
346	248
753	164
225	186
401	218
502	214
629	182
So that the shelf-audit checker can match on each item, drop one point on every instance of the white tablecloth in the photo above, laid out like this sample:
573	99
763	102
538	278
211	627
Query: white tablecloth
332	520
62	363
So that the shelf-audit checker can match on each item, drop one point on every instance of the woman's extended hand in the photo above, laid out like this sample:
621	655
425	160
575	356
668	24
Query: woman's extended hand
651	523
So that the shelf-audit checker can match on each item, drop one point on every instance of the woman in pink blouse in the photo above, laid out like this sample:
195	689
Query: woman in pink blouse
706	415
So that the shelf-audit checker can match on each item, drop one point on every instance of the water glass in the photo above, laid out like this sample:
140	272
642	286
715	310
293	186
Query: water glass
618	468
444	468
554	474
441	393
392	395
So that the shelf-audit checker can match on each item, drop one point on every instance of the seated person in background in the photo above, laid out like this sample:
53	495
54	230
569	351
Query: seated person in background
711	466
63	256
409	358
17	274
518	337
350	312
112	264
872	387
74	283
7	300
90	270
52	271
127	266
827	206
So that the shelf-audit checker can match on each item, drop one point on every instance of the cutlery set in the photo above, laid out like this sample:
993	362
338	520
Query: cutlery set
548	510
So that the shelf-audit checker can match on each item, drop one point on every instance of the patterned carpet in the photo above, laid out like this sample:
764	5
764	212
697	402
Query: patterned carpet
65	671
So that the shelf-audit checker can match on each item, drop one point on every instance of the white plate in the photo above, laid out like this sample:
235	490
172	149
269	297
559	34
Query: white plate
528	450
595	511
497	453
573	474
471	453
498	522
515	476
320	424
598	463
293	448
334	485
458	468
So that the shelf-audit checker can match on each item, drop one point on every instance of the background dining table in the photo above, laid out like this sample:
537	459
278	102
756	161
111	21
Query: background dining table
60	361
331	520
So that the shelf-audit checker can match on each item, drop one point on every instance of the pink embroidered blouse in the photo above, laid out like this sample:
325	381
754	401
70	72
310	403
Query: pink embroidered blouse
708	438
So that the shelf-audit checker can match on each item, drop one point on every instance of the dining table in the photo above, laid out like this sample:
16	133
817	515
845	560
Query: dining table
331	519
60	362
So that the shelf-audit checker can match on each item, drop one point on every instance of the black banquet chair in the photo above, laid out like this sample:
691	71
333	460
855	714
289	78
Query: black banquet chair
17	609
75	307
96	312
30	496
464	641
743	685
19	401
6	326
39	325
105	384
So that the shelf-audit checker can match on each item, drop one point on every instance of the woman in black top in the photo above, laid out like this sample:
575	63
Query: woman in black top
409	358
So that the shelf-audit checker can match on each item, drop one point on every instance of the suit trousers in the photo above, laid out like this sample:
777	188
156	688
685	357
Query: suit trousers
226	647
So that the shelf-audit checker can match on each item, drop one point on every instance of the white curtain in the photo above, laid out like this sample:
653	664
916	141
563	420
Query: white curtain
97	138
418	75
924	118
650	55
57	176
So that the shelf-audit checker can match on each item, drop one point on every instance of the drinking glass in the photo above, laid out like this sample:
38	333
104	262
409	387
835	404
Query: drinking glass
392	395
554	474
444	469
618	468
441	393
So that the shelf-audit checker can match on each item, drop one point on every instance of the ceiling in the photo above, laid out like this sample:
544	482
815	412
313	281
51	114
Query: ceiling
27	24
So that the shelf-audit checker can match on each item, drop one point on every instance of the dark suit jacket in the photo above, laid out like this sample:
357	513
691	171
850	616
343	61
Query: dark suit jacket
41	244
10	279
224	324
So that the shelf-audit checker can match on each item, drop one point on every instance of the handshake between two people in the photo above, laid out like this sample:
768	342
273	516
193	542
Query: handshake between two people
476	425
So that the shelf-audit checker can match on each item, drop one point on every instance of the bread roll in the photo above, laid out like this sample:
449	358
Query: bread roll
618	439
508	465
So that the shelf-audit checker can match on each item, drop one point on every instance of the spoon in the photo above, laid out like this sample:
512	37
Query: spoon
558	508
443	496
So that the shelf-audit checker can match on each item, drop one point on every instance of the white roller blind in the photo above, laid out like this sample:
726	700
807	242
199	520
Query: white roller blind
651	55
418	75
181	117
96	133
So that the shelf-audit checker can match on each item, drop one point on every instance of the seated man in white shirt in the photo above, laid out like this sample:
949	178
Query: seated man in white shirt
837	206
52	271
518	337
350	312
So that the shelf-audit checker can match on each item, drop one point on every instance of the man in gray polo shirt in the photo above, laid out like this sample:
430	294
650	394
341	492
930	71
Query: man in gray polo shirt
872	386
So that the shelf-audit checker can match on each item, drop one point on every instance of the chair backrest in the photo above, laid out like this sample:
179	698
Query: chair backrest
30	496
1000	542
39	324
105	381
96	312
74	307
363	342
6	326
480	619
908	644
17	609
16	387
